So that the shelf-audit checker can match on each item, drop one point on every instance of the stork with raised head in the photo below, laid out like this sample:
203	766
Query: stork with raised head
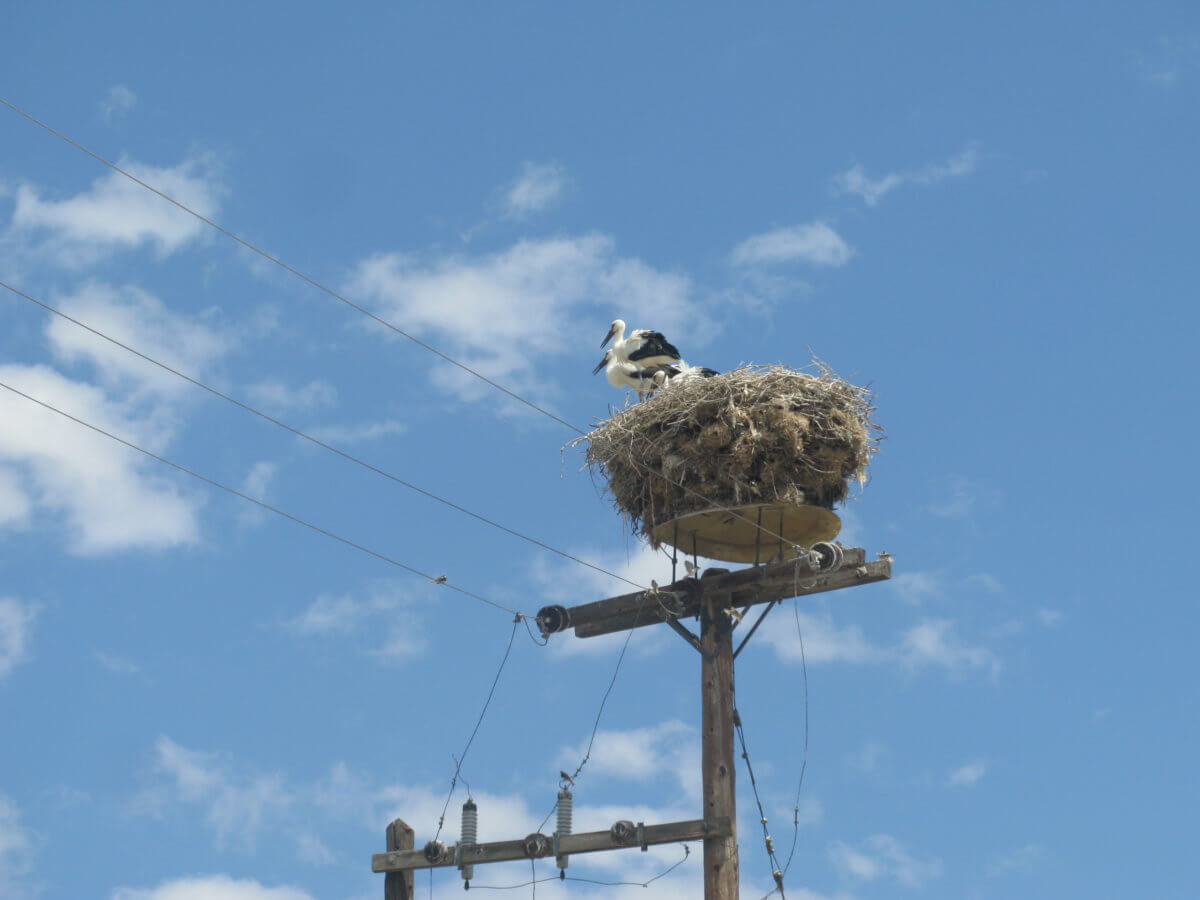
644	347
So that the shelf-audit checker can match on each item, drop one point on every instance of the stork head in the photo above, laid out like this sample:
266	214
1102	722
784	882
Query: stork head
617	329
604	362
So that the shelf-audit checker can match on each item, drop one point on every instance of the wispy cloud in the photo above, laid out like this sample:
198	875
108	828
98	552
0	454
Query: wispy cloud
15	503
964	497
17	845
933	643
504	313
235	807
1023	859
882	856
385	608
642	754
119	665
16	632
815	243
967	775
138	319
118	101
929	643
538	187
348	435
1170	59
115	213
871	190
210	887
278	397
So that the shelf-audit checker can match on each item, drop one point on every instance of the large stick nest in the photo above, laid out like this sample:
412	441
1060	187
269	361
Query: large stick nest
758	434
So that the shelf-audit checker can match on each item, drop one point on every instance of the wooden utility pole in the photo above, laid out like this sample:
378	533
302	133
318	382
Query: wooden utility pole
716	746
720	600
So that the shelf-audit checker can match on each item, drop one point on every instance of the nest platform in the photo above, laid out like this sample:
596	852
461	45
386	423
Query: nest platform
707	461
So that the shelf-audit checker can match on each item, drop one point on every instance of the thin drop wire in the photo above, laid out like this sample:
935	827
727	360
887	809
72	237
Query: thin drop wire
762	816
266	506
535	881
350	303
314	440
603	700
804	756
483	712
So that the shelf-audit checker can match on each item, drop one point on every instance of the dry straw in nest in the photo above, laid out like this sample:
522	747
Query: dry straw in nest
758	434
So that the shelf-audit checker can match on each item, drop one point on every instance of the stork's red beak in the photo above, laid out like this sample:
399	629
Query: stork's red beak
607	338
600	365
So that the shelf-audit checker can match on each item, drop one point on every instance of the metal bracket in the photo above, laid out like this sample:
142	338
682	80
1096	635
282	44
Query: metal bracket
641	836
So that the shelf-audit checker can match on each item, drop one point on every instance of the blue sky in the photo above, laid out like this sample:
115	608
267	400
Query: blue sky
985	212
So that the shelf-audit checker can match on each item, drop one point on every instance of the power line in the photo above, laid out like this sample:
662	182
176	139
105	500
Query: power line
458	762
439	580
314	440
267	256
355	306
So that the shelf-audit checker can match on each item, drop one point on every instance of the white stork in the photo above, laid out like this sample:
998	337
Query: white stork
623	373
664	376
646	348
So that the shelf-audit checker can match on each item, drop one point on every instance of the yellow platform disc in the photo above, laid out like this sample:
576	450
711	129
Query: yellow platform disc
733	534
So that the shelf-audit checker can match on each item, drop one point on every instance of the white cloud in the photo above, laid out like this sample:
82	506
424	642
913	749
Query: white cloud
814	243
868	758
210	887
507	313
1172	56
928	643
1023	859
916	587
98	486
932	642
116	213
16	851
117	664
1049	617
118	101
386	608
882	856
965	496
259	479
824	642
15	503
967	775
872	190
535	189
139	320
237	809
349	435
279	397
641	754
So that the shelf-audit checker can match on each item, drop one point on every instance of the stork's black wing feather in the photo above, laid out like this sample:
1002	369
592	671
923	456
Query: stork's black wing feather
654	344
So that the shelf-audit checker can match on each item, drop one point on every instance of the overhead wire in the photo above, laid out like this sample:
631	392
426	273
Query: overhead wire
768	841
462	758
399	331
804	756
350	303
649	881
315	440
441	581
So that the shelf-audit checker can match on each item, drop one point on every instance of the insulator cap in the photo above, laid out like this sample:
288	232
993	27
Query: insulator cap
552	619
623	831
536	844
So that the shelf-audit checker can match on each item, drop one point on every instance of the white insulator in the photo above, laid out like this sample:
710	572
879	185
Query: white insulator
470	832
565	803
